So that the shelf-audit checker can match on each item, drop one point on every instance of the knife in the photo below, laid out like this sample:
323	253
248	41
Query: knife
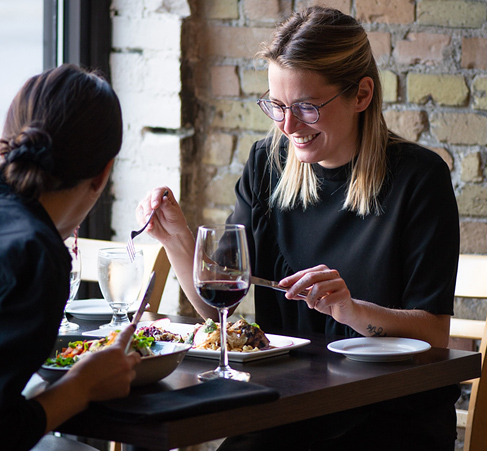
143	304
274	285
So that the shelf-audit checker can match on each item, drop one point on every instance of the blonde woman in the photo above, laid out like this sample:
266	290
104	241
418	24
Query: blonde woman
334	203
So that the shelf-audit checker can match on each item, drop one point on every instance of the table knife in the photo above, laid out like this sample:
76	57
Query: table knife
274	285
143	304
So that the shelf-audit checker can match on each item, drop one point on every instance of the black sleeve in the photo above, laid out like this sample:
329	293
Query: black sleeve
22	426
34	281
430	244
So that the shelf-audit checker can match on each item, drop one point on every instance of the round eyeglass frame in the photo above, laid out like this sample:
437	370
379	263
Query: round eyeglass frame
284	108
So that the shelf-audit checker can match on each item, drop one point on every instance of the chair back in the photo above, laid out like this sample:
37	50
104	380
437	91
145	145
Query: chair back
471	276
476	428
155	259
472	283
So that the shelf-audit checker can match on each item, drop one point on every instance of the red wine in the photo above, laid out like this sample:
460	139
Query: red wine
222	294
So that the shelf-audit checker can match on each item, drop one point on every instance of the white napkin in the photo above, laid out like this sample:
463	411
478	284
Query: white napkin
35	386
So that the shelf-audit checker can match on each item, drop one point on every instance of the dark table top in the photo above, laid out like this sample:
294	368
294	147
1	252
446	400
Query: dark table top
311	381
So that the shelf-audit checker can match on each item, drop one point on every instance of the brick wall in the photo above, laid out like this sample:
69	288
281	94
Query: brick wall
433	60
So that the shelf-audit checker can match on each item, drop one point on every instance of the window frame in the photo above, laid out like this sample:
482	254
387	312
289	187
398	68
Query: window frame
79	32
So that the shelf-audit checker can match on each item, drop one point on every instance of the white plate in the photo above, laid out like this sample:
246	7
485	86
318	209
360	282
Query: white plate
379	349
280	344
94	309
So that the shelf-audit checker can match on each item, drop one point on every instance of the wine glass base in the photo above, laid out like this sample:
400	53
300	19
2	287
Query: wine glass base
67	327
225	374
115	326
119	320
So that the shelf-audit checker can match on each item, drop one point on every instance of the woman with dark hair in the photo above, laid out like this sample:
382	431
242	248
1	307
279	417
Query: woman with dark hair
336	204
62	132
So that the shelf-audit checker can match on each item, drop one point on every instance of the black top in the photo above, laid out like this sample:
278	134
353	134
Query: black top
404	258
34	287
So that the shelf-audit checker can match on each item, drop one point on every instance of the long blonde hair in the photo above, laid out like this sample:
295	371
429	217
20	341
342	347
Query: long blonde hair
334	45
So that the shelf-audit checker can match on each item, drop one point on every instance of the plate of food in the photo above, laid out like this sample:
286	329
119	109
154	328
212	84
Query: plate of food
246	341
379	349
159	359
94	309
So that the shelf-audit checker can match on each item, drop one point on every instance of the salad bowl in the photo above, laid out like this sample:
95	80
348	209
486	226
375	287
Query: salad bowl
167	356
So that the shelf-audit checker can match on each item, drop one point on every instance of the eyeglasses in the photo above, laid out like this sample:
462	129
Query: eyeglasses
303	111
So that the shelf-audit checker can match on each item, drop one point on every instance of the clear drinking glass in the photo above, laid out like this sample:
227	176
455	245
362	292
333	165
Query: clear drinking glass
120	281
74	281
221	276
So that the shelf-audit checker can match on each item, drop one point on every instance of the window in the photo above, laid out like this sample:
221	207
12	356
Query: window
21	43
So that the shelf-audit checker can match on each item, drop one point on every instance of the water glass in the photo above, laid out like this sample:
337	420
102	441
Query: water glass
120	281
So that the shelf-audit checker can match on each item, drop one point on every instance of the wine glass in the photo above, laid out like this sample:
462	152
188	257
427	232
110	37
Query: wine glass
74	281
221	276
120	281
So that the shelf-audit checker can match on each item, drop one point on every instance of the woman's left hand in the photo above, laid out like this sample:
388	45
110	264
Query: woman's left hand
327	291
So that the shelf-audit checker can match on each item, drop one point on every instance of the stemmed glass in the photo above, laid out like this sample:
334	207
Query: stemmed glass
74	281
120	281
221	276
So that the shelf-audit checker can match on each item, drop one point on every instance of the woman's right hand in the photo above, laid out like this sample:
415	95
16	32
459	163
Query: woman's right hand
107	374
100	376
168	220
169	227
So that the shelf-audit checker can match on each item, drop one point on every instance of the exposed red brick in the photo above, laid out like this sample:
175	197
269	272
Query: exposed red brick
236	42
474	53
258	9
224	81
385	11
422	48
381	45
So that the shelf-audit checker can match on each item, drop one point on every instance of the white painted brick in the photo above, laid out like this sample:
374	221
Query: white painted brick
144	109
148	89
143	8
132	142
161	149
179	8
154	32
127	8
154	163
152	73
146	76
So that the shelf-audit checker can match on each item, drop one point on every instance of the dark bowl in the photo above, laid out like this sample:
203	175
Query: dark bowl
151	369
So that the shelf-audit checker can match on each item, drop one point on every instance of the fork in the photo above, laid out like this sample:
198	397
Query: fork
133	234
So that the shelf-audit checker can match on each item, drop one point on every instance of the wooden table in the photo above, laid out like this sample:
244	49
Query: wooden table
312	381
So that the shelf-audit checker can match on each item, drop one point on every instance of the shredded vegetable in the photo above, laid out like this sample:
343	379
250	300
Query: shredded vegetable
78	349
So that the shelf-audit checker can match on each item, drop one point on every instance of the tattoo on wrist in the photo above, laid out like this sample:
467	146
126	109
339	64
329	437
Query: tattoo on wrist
376	331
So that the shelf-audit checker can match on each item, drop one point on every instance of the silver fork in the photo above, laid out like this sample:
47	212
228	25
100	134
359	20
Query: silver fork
133	234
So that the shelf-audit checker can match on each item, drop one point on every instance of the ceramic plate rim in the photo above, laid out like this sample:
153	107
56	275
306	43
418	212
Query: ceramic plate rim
181	328
241	357
291	343
358	348
75	308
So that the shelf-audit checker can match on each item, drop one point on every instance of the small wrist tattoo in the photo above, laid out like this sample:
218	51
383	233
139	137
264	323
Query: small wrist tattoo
376	331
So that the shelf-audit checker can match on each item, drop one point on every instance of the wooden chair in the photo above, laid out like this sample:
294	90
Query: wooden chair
472	283
155	259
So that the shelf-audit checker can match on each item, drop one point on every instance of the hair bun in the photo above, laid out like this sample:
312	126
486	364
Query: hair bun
32	145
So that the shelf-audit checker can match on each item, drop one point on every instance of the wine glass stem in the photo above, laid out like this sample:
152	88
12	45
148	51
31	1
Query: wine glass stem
65	318
222	313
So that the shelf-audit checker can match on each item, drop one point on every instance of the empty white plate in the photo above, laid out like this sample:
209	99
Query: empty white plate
94	309
379	349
